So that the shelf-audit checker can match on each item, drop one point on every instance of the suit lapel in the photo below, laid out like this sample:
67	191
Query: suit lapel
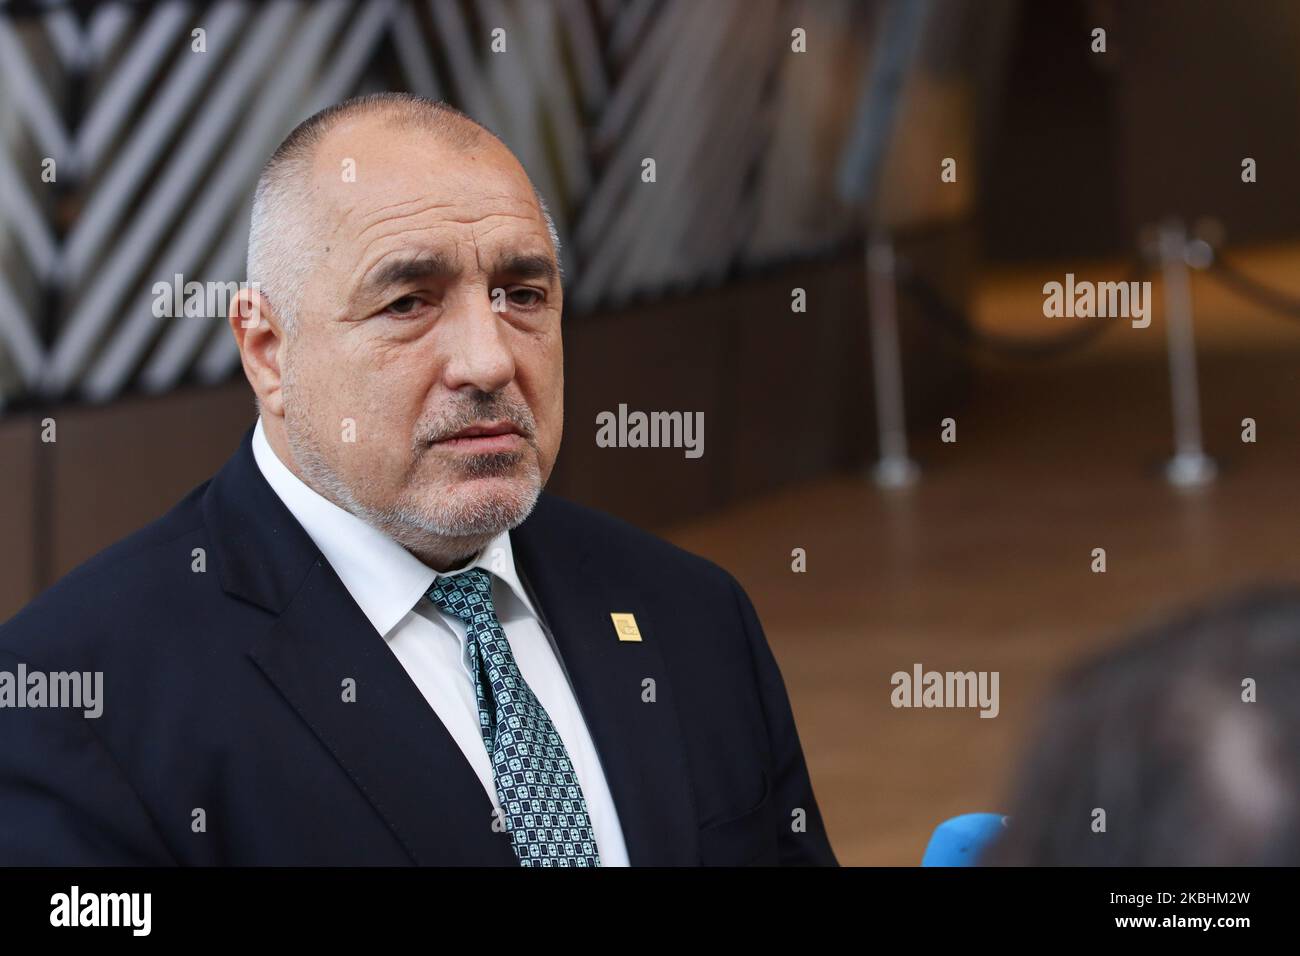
640	743
389	741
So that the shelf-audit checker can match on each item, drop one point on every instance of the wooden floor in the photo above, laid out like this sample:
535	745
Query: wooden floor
986	564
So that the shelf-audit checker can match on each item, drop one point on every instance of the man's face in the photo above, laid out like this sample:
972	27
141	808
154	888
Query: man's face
423	386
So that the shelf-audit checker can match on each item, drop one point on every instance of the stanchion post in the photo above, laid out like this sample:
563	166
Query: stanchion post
894	469
1190	466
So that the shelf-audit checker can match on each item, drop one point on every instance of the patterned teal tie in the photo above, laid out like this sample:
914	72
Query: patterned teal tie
545	812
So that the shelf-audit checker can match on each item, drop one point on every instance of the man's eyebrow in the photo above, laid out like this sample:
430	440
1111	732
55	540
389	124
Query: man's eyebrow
408	269
520	266
400	271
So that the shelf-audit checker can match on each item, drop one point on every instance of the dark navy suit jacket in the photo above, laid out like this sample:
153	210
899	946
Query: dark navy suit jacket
223	693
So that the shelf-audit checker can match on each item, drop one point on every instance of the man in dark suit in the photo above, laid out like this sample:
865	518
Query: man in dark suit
371	638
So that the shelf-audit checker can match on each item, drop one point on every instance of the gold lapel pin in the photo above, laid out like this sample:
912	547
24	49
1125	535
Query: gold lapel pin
625	627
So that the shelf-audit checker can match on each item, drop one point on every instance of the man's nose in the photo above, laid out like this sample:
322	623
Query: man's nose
476	346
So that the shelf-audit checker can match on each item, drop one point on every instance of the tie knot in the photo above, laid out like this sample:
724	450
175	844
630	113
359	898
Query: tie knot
465	594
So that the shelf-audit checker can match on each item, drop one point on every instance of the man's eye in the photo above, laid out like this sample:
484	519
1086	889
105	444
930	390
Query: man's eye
531	297
404	306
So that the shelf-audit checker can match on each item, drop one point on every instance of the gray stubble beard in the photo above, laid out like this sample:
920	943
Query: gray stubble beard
422	531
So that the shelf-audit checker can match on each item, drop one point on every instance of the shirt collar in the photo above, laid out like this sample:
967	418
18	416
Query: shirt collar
383	577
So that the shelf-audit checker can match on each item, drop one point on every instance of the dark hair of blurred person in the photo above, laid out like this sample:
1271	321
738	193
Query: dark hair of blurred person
1159	733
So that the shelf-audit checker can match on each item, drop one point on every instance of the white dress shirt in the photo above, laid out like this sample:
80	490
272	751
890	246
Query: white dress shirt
389	584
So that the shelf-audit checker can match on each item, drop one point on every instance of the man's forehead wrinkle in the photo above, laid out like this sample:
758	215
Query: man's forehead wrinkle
337	227
380	211
365	252
380	216
383	215
367	248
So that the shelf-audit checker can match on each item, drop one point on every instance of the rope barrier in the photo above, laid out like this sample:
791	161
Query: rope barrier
954	323
1254	290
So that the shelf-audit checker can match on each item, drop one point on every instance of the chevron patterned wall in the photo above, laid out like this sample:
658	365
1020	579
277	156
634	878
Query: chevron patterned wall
131	136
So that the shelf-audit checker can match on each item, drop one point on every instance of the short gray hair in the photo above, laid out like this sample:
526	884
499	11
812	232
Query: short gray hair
280	240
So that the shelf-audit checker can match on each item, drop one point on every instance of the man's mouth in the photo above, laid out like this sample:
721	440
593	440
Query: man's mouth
484	438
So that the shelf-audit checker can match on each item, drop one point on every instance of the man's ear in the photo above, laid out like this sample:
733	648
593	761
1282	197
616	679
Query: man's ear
259	335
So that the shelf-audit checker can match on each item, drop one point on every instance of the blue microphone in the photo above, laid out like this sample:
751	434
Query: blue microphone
961	840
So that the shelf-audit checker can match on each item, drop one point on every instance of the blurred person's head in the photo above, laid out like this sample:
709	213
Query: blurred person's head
406	277
1156	734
